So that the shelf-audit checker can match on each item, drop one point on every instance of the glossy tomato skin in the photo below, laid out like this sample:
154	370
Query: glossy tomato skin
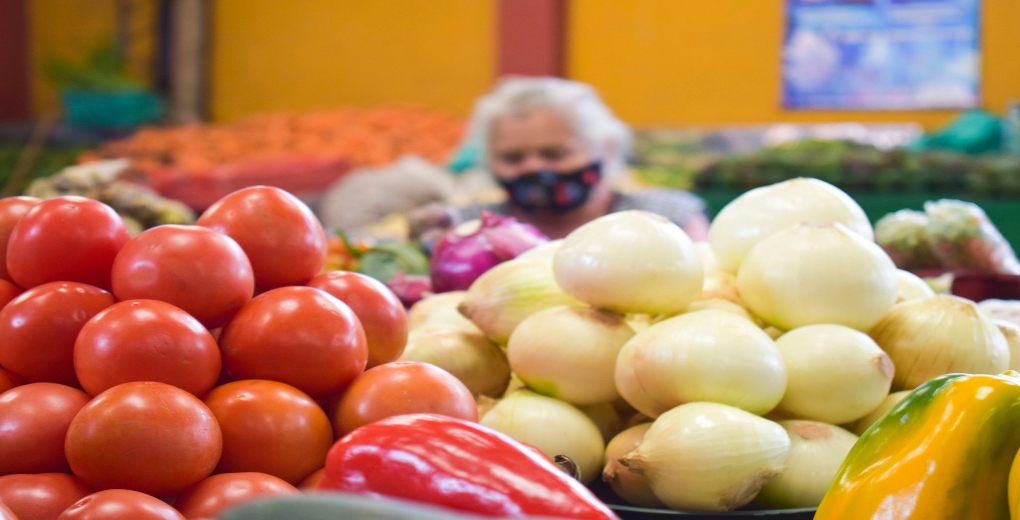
120	504
8	292
146	340
200	270
402	387
6	514
312	482
41	497
39	329
379	310
281	236
220	492
146	436
270	427
33	423
70	238
11	211
7	381
296	335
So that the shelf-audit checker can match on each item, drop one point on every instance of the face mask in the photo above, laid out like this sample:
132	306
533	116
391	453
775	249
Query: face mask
551	191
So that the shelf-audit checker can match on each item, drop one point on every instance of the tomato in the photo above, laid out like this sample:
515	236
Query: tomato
379	310
120	504
296	335
65	239
281	236
6	514
7	381
146	340
8	292
402	387
33	423
202	271
40	326
40	497
11	211
312	482
220	492
270	427
145	436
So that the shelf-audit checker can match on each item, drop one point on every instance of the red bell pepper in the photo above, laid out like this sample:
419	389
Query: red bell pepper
456	464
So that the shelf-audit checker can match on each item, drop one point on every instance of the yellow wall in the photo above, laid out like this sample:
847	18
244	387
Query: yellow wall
674	62
311	54
72	28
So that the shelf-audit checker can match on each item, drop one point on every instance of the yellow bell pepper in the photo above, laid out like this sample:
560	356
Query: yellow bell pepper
943	453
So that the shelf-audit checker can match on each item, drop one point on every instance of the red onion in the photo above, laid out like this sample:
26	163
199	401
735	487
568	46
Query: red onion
469	250
409	288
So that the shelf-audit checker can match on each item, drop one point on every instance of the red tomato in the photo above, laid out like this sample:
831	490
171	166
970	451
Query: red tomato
402	387
40	326
33	423
146	340
270	427
6	514
7	381
379	310
148	437
281	236
40	497
66	239
120	504
312	482
220	492
8	292
203	272
296	335
11	211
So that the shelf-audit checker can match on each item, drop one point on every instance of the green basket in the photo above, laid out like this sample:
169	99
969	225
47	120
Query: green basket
111	110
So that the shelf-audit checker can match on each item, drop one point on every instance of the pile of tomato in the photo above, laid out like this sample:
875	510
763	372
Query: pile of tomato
189	368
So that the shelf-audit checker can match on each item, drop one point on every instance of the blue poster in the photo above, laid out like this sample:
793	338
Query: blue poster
881	54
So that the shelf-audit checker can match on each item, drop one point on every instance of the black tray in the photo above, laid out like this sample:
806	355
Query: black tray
629	512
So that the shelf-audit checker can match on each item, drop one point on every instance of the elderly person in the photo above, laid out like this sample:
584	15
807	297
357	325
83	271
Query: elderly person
557	151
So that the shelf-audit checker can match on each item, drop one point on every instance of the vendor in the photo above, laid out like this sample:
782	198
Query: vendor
558	151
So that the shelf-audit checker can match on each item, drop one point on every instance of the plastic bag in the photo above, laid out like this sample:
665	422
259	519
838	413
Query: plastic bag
963	238
904	236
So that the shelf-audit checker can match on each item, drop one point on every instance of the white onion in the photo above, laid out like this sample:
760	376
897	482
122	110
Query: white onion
628	485
552	426
569	353
630	262
720	304
709	355
510	292
912	286
817	450
707	256
1011	332
761	212
720	285
773	332
930	337
469	356
709	456
824	273
834	374
861	425
544	251
605	416
439	310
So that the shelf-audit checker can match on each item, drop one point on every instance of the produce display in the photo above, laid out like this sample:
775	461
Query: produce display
193	371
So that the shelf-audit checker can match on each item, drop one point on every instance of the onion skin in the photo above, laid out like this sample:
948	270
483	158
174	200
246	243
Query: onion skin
1011	332
503	297
709	456
552	426
628	485
943	334
441	308
812	274
816	452
469	356
630	262
708	355
762	212
605	416
834	374
861	425
569	353
468	250
912	287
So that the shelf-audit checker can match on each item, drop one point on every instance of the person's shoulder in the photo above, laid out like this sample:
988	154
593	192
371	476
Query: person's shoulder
676	205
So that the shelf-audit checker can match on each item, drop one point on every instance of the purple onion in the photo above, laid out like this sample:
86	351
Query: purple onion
463	254
409	288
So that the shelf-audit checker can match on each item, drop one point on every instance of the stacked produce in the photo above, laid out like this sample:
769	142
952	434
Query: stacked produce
734	374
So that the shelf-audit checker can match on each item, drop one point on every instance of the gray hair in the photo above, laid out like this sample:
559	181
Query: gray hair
607	137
